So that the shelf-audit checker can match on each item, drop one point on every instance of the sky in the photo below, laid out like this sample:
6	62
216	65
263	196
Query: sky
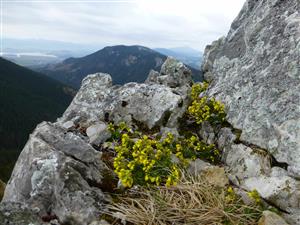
152	23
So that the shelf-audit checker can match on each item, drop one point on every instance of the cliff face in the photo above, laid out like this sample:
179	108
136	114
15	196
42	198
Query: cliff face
255	72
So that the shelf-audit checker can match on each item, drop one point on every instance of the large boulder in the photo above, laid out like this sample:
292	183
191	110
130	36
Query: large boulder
151	104
255	72
173	73
59	175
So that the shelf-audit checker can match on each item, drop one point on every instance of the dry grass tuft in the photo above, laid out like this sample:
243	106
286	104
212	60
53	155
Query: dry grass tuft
192	201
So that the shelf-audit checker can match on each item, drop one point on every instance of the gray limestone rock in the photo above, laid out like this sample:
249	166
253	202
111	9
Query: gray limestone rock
245	162
225	138
59	174
207	132
293	217
255	72
98	133
271	218
277	188
68	125
197	166
148	105
12	213
152	77
173	73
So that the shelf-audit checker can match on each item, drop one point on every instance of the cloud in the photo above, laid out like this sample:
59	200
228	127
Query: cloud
153	23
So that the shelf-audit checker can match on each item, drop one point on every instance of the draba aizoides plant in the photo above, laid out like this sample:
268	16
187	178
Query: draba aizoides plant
204	108
146	160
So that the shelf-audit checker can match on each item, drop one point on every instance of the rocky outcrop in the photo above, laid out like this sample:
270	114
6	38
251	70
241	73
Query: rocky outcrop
172	74
151	105
56	169
255	72
60	174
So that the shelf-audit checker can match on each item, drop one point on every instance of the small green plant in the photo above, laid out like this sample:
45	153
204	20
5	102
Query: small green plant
116	131
145	160
230	195
204	108
198	88
233	201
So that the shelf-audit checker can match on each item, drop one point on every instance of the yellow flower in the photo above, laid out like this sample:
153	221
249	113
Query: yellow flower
169	182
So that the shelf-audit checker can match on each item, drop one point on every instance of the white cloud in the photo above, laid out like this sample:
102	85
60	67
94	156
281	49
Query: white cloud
153	23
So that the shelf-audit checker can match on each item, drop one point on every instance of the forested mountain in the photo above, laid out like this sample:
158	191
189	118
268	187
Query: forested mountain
123	63
27	98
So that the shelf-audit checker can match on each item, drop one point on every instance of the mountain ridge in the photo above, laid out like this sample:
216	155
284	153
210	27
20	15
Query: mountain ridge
124	63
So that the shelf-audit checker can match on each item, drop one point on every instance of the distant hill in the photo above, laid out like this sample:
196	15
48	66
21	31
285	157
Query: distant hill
189	56
123	63
27	98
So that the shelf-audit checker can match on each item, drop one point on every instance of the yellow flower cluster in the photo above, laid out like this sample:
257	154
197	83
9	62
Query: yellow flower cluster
205	109
147	160
197	89
254	195
230	196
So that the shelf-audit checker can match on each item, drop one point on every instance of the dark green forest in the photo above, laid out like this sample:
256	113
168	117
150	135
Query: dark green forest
26	99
